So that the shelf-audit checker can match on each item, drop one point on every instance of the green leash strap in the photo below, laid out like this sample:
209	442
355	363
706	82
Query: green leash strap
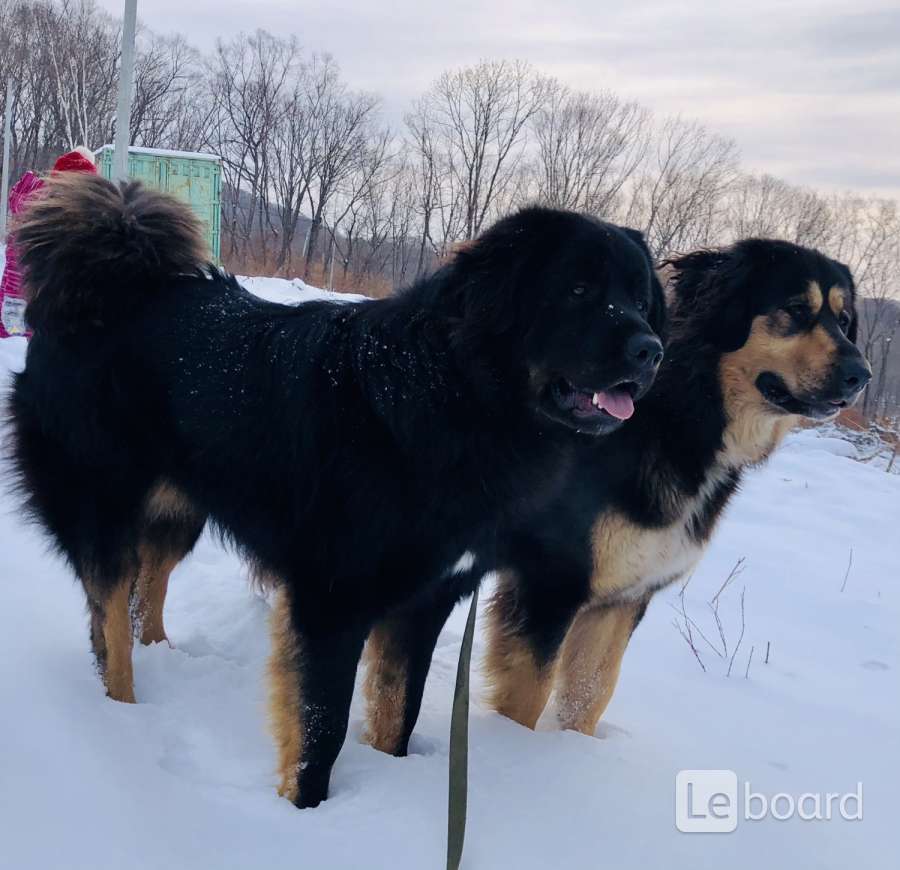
459	746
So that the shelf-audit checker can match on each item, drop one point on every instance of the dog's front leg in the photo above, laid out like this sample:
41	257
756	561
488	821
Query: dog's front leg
590	662
398	656
311	672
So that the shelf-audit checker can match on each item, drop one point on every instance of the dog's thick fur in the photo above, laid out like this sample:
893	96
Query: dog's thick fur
361	457
761	334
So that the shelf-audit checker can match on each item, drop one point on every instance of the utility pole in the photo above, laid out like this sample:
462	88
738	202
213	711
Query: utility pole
7	135
126	93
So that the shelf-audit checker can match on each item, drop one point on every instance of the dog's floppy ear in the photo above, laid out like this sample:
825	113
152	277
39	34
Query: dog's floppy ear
735	324
657	316
853	329
692	273
713	286
484	274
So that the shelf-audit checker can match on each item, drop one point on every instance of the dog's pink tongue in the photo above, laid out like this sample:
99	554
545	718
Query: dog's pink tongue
617	402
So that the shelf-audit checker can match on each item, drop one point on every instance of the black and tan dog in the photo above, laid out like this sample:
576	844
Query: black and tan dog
762	335
360	456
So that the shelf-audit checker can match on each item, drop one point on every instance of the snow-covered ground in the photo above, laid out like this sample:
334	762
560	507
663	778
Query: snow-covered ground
186	778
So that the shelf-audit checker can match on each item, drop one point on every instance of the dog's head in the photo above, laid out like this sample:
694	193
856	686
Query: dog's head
571	311
783	318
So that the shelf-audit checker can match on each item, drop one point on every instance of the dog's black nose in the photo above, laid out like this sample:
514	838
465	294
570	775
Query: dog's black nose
854	374
644	350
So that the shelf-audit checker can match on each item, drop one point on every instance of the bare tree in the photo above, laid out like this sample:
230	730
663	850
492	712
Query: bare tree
375	206
401	218
767	206
172	106
473	121
249	78
426	171
292	156
588	147
342	121
61	56
678	197
82	44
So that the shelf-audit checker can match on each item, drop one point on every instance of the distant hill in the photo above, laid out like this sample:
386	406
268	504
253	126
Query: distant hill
889	400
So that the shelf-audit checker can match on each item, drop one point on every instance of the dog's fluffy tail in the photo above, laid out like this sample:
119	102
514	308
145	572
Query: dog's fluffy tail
91	250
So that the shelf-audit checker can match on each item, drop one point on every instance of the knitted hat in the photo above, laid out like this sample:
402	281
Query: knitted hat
75	161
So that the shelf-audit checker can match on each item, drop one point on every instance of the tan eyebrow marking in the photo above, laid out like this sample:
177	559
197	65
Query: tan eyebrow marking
837	299
814	296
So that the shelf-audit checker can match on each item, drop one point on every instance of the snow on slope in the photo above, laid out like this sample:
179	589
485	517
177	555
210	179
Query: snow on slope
185	778
289	292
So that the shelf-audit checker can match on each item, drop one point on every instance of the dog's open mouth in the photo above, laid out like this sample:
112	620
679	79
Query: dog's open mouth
616	401
776	392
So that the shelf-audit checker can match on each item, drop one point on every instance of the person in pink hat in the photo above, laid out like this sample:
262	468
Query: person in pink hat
12	304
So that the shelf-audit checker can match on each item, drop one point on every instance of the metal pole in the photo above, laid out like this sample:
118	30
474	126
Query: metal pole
126	92
7	136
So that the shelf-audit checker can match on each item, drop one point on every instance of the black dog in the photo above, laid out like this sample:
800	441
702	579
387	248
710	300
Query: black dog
761	335
348	451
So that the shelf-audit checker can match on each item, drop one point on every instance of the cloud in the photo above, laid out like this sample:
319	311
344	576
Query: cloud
809	89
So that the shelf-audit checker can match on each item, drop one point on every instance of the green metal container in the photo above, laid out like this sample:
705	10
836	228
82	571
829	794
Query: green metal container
192	177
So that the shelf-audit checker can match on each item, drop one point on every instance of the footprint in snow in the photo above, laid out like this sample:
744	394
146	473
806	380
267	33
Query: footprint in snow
420	745
608	731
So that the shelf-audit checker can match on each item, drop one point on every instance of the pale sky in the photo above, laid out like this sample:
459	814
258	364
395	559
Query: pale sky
809	89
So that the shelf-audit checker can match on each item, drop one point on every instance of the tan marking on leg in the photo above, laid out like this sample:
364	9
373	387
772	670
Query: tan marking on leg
519	685
152	585
285	713
385	689
117	637
589	667
165	507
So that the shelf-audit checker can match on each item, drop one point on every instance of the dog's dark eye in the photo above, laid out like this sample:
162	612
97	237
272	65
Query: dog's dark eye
844	320
797	311
578	290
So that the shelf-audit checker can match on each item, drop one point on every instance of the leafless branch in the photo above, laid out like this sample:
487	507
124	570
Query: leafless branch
740	637
847	572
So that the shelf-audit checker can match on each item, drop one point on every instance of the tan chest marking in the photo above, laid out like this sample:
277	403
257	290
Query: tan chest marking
631	560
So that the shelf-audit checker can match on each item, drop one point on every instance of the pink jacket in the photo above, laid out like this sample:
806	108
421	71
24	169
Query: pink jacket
10	307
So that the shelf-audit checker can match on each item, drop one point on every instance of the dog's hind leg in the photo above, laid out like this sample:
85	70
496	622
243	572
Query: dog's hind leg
111	635
591	659
126	597
311	674
153	583
171	529
398	656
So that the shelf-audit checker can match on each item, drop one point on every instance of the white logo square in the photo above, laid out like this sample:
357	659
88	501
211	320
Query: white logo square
706	801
